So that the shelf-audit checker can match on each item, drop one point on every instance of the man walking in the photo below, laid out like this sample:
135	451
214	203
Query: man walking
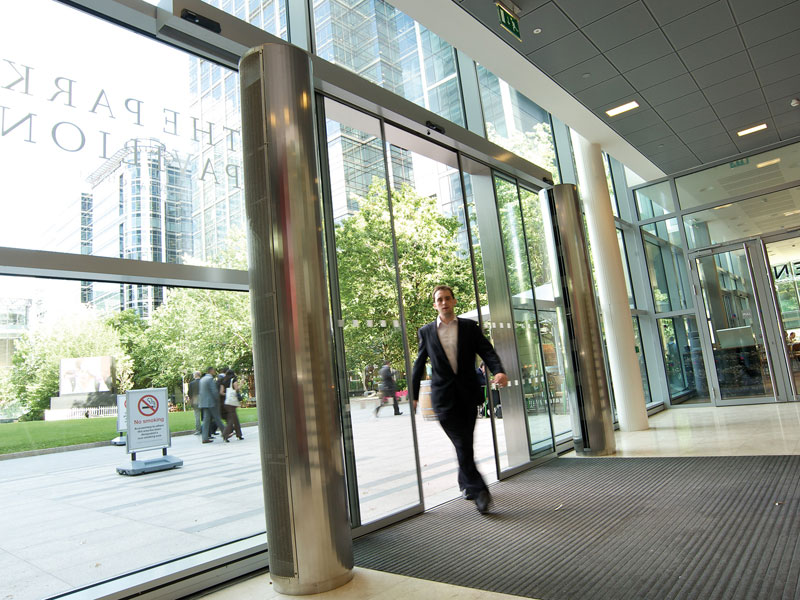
451	344
209	398
387	389
193	393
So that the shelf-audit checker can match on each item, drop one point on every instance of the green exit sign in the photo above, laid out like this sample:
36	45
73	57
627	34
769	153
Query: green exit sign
508	21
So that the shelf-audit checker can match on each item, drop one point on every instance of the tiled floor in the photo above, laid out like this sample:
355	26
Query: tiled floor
695	431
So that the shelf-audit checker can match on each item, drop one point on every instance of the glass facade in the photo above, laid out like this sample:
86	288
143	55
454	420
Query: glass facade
387	47
516	123
655	200
145	167
666	264
745	176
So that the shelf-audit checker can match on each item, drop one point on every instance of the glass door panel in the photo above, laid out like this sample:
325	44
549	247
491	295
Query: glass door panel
433	248
556	374
736	335
784	265
379	445
526	326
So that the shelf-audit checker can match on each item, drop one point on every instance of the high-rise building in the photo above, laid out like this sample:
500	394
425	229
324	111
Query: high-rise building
139	208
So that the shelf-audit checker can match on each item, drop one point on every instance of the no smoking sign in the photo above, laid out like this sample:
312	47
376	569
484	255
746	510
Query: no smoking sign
148	405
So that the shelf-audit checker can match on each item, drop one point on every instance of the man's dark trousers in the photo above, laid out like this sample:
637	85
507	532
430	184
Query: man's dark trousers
460	428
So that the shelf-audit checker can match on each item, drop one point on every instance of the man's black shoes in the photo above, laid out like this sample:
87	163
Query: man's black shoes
466	495
482	501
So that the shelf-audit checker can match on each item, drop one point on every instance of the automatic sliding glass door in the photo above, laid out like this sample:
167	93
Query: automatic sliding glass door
735	329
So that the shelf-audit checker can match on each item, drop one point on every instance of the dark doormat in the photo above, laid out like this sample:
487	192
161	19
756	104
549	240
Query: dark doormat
614	528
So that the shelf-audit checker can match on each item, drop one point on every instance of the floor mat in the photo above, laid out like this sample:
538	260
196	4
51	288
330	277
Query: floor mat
614	528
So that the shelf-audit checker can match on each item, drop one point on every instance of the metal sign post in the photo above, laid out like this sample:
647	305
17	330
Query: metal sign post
147	429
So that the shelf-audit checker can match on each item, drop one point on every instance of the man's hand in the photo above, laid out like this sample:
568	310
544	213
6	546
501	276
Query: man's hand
500	379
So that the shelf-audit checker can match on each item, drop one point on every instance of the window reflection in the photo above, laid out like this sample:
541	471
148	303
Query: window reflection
516	123
655	200
683	360
383	45
666	264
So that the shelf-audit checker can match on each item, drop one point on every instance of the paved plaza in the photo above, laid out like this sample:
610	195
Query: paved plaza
71	520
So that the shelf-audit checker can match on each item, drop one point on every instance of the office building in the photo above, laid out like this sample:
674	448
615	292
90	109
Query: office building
689	201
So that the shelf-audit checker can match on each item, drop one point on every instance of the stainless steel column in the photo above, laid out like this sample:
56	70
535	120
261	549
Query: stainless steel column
308	530
594	434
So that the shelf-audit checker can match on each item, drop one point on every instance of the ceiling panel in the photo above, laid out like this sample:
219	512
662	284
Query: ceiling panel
753	99
771	25
731	88
640	51
553	23
586	74
701	70
727	68
640	119
527	6
777	71
583	12
666	11
745	10
776	49
692	119
683	105
670	89
621	26
564	53
605	93
656	71
712	49
703	131
699	25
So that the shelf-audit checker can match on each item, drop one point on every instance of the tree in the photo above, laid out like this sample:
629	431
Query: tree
37	359
428	254
194	329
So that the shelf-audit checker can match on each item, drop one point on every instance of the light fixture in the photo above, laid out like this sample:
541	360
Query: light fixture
537	31
621	109
790	213
723	206
767	163
751	130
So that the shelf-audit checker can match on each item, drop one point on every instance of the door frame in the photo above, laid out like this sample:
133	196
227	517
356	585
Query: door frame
766	317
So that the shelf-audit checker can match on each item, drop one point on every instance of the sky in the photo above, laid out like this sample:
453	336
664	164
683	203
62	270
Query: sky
41	183
109	65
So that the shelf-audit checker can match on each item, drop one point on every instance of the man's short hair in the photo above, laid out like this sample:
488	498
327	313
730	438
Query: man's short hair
198	374
442	287
209	369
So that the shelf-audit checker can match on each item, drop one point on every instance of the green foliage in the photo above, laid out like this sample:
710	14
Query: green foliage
194	329
428	254
37	358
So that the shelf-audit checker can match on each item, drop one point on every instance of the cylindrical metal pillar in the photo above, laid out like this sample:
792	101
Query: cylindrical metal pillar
611	286
308	530
593	410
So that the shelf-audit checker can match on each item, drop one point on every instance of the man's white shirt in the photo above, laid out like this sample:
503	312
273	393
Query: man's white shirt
448	336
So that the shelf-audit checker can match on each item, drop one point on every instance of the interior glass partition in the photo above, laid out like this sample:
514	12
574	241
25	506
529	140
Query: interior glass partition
735	328
683	360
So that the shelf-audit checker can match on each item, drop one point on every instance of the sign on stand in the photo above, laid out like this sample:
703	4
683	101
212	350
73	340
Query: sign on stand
122	420
147	424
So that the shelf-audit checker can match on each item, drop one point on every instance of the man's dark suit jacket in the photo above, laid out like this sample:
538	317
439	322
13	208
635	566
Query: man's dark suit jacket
452	391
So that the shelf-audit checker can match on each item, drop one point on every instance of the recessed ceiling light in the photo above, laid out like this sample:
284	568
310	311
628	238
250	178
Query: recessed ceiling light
767	163
537	31
790	213
621	109
586	75
751	130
